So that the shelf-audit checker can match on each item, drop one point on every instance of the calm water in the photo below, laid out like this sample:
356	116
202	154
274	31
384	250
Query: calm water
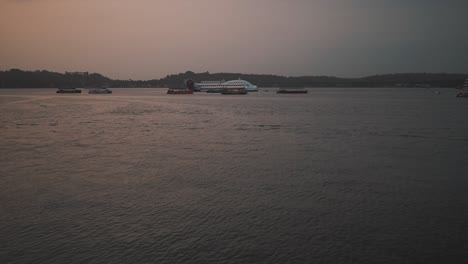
335	176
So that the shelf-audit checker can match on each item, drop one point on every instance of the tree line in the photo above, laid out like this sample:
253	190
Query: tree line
16	78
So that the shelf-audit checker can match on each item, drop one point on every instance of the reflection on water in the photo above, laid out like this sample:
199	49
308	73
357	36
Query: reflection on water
333	176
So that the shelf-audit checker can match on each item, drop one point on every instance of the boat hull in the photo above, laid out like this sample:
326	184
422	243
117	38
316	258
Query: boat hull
464	95
99	91
68	91
234	91
292	91
175	91
214	91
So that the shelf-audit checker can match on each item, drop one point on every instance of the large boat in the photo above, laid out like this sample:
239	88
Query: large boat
68	90
221	85
464	92
99	91
291	91
179	91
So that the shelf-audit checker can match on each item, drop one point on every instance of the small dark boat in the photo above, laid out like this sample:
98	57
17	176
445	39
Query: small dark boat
292	91
179	91
234	91
463	94
68	90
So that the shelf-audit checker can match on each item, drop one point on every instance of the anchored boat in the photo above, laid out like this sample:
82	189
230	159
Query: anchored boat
179	91
68	90
292	91
221	85
99	91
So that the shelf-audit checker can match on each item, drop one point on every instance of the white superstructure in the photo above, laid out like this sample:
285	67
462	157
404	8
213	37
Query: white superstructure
234	84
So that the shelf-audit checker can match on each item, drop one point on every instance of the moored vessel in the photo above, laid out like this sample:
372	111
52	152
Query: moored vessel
68	90
292	91
221	85
179	91
99	91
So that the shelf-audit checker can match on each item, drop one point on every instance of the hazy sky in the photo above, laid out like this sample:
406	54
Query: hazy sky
143	39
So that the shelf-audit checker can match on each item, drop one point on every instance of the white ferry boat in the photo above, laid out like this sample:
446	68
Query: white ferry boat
221	85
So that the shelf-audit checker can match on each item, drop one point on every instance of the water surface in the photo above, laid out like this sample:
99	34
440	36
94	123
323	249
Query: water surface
334	176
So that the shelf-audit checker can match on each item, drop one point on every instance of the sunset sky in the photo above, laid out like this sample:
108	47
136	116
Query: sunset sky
144	39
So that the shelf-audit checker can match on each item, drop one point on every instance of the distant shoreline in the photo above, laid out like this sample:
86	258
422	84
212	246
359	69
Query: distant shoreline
17	79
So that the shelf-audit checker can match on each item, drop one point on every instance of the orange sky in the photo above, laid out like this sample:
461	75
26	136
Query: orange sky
143	39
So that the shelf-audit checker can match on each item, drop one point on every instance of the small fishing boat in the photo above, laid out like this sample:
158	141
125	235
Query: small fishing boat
99	91
464	92
68	90
233	91
179	91
292	91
